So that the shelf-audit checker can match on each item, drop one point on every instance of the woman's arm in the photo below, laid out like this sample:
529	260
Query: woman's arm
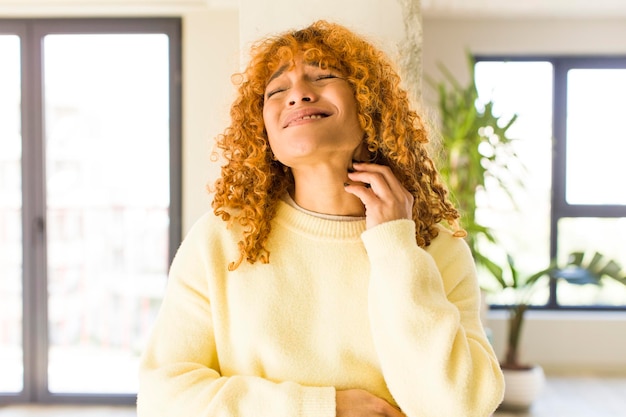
180	369
424	310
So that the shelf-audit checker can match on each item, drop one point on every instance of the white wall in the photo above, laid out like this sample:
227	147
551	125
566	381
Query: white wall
210	57
569	342
560	341
380	19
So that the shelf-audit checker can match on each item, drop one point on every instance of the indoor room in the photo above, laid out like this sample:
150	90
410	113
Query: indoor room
523	103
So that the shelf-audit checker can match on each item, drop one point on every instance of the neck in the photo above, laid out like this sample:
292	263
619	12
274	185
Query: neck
321	190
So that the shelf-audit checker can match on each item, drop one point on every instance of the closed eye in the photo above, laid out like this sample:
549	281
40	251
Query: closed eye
327	76
269	94
312	78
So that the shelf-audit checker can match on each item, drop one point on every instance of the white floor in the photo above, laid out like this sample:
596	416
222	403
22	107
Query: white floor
579	397
65	411
562	397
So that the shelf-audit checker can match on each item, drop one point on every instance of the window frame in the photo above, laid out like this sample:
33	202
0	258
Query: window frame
34	275
559	207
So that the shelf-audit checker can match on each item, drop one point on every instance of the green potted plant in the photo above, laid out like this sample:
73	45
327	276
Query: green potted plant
523	381
475	146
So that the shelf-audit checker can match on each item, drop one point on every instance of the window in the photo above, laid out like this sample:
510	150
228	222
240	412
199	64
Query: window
90	212
10	217
571	141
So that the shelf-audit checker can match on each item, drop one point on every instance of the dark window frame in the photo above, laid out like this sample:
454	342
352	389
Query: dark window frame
35	314
559	207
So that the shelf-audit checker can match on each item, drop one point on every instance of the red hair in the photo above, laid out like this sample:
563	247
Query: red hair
252	182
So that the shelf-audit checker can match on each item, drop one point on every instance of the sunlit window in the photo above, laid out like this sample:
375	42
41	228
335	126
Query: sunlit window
107	148
89	201
596	138
523	226
569	136
11	369
605	235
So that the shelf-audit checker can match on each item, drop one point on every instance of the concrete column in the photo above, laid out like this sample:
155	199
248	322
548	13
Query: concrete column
393	25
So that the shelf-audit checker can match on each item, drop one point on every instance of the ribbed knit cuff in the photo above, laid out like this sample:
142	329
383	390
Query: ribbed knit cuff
388	236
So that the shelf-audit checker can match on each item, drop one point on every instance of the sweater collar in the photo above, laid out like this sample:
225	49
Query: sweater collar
317	226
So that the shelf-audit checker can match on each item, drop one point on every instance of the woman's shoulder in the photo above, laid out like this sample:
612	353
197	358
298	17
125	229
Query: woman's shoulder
211	226
207	220
447	244
208	237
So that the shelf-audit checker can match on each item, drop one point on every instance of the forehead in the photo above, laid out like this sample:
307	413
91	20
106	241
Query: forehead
288	66
312	56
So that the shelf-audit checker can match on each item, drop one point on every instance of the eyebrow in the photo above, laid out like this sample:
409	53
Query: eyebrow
284	67
278	73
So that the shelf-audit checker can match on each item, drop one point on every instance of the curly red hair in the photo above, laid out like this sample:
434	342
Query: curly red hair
252	181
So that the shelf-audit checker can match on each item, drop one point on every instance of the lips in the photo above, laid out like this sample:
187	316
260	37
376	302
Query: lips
303	115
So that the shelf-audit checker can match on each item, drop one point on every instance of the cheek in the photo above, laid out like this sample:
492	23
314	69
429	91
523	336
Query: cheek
350	106
354	122
269	129
269	120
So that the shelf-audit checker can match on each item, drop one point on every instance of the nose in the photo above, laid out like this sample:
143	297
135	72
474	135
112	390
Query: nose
293	102
301	91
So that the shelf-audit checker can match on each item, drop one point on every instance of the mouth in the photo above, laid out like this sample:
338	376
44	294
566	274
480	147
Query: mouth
304	116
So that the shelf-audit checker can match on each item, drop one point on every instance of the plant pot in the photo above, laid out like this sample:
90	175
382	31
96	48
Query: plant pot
522	386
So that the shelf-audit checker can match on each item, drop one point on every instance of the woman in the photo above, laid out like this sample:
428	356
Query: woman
323	283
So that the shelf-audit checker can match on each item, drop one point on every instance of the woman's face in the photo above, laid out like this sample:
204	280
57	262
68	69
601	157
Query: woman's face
310	115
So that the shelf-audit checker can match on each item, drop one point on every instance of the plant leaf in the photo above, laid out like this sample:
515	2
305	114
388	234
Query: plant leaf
577	275
576	258
611	269
597	257
494	269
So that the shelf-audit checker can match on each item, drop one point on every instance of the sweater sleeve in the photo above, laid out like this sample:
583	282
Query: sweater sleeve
179	371
424	313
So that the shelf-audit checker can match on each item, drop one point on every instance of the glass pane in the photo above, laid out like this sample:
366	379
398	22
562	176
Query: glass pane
11	359
107	167
596	139
522	226
606	236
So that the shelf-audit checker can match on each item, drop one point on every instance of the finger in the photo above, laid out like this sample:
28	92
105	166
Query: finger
383	182
375	181
363	191
392	181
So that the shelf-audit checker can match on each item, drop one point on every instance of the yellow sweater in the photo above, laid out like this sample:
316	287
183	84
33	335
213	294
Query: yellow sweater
337	307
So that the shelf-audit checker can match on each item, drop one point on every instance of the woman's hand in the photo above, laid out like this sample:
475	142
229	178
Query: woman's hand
360	403
384	197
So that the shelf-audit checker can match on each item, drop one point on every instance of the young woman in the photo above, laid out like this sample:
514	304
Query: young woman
331	278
